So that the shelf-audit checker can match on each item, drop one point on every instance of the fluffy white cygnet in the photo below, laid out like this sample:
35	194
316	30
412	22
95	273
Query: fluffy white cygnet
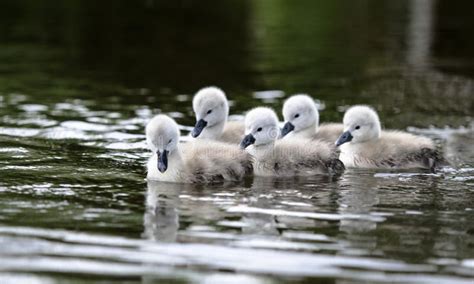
211	108
302	121
292	157
363	144
192	162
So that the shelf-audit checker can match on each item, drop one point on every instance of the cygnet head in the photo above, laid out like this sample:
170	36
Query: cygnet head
361	123
210	107
261	127
299	113
162	136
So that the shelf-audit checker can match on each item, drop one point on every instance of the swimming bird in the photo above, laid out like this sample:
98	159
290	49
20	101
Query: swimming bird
302	120
292	157
211	108
192	162
363	144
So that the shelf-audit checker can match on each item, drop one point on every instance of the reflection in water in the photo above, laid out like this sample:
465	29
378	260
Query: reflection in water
360	197
161	219
263	191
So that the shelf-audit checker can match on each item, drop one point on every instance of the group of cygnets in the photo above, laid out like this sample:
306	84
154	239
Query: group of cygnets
224	150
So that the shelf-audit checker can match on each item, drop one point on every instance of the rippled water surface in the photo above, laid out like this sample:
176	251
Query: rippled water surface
80	79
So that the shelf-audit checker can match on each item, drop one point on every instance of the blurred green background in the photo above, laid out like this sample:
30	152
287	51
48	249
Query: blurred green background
412	60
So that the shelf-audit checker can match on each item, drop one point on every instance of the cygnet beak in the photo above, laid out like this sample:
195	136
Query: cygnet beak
200	124
247	141
344	138
287	128
162	161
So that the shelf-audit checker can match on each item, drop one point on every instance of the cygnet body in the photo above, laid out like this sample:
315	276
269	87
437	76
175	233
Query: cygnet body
211	108
292	157
192	162
363	144
302	121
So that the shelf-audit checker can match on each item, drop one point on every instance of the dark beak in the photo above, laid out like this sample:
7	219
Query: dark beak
198	128
287	128
162	161
247	141
345	137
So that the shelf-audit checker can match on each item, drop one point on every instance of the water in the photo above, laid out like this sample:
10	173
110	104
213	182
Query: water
79	80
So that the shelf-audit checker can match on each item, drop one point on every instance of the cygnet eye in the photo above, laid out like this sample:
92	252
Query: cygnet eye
171	140
297	115
259	129
209	111
357	127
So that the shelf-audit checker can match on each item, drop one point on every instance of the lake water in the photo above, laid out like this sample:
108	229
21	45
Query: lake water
80	79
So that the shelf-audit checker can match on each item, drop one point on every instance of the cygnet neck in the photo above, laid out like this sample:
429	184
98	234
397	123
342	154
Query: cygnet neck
260	150
213	132
308	132
175	159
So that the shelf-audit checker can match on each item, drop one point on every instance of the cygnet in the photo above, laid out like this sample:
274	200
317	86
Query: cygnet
302	121
292	157
211	108
363	144
192	162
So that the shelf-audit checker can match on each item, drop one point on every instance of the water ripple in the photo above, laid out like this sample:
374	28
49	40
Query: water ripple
311	215
64	251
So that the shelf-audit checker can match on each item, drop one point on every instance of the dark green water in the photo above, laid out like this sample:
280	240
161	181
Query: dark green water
80	79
